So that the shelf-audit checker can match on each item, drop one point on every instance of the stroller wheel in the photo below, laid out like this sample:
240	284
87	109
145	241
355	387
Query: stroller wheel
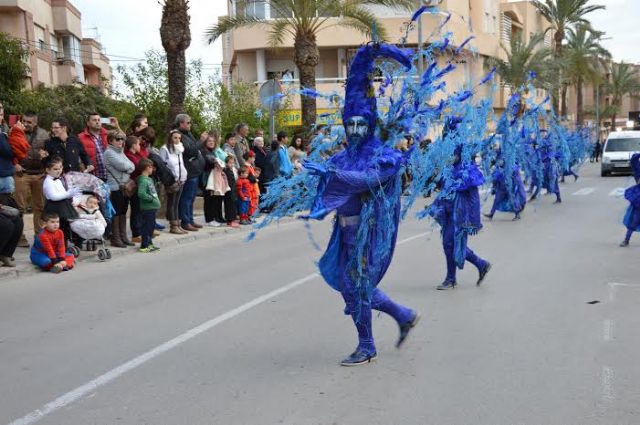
107	253
102	255
75	251
94	246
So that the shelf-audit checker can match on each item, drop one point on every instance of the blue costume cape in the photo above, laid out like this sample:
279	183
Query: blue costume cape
632	195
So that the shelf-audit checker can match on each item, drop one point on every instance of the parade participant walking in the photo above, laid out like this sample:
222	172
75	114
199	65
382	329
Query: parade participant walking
509	190
361	184
632	194
457	211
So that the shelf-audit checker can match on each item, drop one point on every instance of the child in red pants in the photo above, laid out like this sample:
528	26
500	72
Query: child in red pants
48	251
245	188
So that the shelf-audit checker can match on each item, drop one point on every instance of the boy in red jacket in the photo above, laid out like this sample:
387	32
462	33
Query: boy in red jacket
245	188
48	251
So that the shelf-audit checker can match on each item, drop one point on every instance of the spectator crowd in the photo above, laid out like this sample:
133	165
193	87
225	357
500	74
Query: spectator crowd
142	172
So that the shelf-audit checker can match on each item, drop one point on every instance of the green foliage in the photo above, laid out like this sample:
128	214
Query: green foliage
13	68
72	103
146	85
240	105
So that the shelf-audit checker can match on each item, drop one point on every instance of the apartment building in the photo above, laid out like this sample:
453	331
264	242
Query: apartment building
52	31
629	109
247	56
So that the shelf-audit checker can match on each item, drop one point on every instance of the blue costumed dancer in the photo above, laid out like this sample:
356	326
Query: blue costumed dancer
632	194
362	184
457	211
549	158
510	195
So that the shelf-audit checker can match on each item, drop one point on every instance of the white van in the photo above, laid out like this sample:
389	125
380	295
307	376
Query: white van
619	147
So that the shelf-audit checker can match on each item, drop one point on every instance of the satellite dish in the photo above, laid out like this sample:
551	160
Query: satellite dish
269	94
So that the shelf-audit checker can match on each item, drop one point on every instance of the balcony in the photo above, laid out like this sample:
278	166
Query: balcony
66	18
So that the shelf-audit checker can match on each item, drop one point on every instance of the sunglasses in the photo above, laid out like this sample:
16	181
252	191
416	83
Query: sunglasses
121	139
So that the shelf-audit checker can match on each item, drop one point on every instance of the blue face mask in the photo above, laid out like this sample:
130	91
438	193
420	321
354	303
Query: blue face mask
357	128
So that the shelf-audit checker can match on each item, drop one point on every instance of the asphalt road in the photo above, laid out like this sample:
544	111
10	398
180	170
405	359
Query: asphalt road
196	334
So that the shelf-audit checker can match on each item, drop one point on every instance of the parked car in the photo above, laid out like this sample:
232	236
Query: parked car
618	148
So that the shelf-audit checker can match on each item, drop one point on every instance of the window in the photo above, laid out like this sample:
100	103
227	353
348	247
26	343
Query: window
278	11
39	36
255	8
71	52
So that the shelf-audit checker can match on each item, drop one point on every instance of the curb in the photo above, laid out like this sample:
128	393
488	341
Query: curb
9	273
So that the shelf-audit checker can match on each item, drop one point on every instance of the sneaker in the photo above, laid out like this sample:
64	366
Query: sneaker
234	224
624	243
406	327
154	248
145	250
489	216
156	233
213	224
136	239
245	222
358	358
160	226
447	284
483	274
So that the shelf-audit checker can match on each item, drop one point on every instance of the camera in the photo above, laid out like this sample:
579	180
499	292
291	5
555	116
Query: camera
105	120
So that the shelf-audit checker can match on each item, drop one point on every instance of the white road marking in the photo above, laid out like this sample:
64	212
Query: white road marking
607	330
91	386
618	191
607	379
614	285
584	191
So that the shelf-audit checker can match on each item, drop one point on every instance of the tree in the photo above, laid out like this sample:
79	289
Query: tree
561	14
623	82
13	67
241	104
582	61
146	85
522	59
176	38
303	20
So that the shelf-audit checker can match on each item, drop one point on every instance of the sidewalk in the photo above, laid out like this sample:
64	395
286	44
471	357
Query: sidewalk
166	239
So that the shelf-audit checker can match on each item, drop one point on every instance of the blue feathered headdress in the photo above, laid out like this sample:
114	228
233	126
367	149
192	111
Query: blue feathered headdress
360	97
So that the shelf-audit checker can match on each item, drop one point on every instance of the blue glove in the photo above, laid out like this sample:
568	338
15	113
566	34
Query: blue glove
315	168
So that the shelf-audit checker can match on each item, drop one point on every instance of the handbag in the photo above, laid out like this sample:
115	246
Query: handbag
128	189
9	212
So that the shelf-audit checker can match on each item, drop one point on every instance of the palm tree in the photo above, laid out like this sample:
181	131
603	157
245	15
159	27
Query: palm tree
623	81
522	59
176	38
303	20
583	57
561	14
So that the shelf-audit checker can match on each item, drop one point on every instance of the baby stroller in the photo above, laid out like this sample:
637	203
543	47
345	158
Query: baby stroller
87	226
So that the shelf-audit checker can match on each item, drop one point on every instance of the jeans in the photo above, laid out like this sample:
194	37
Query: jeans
134	217
189	192
147	226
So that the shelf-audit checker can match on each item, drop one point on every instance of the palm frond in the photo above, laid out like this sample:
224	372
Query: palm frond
228	23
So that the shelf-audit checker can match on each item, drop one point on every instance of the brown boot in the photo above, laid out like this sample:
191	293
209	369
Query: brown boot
190	228
123	232
116	240
175	228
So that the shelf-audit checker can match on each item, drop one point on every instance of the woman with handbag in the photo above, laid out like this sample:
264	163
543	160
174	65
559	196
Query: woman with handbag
119	167
171	154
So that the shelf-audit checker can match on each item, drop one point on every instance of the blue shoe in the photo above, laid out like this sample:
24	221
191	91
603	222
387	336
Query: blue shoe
483	273
358	358
160	226
447	284
406	327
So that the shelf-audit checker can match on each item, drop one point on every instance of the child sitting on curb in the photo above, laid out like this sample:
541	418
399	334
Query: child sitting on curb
48	251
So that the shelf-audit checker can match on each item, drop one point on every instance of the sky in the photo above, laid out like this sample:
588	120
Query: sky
128	28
